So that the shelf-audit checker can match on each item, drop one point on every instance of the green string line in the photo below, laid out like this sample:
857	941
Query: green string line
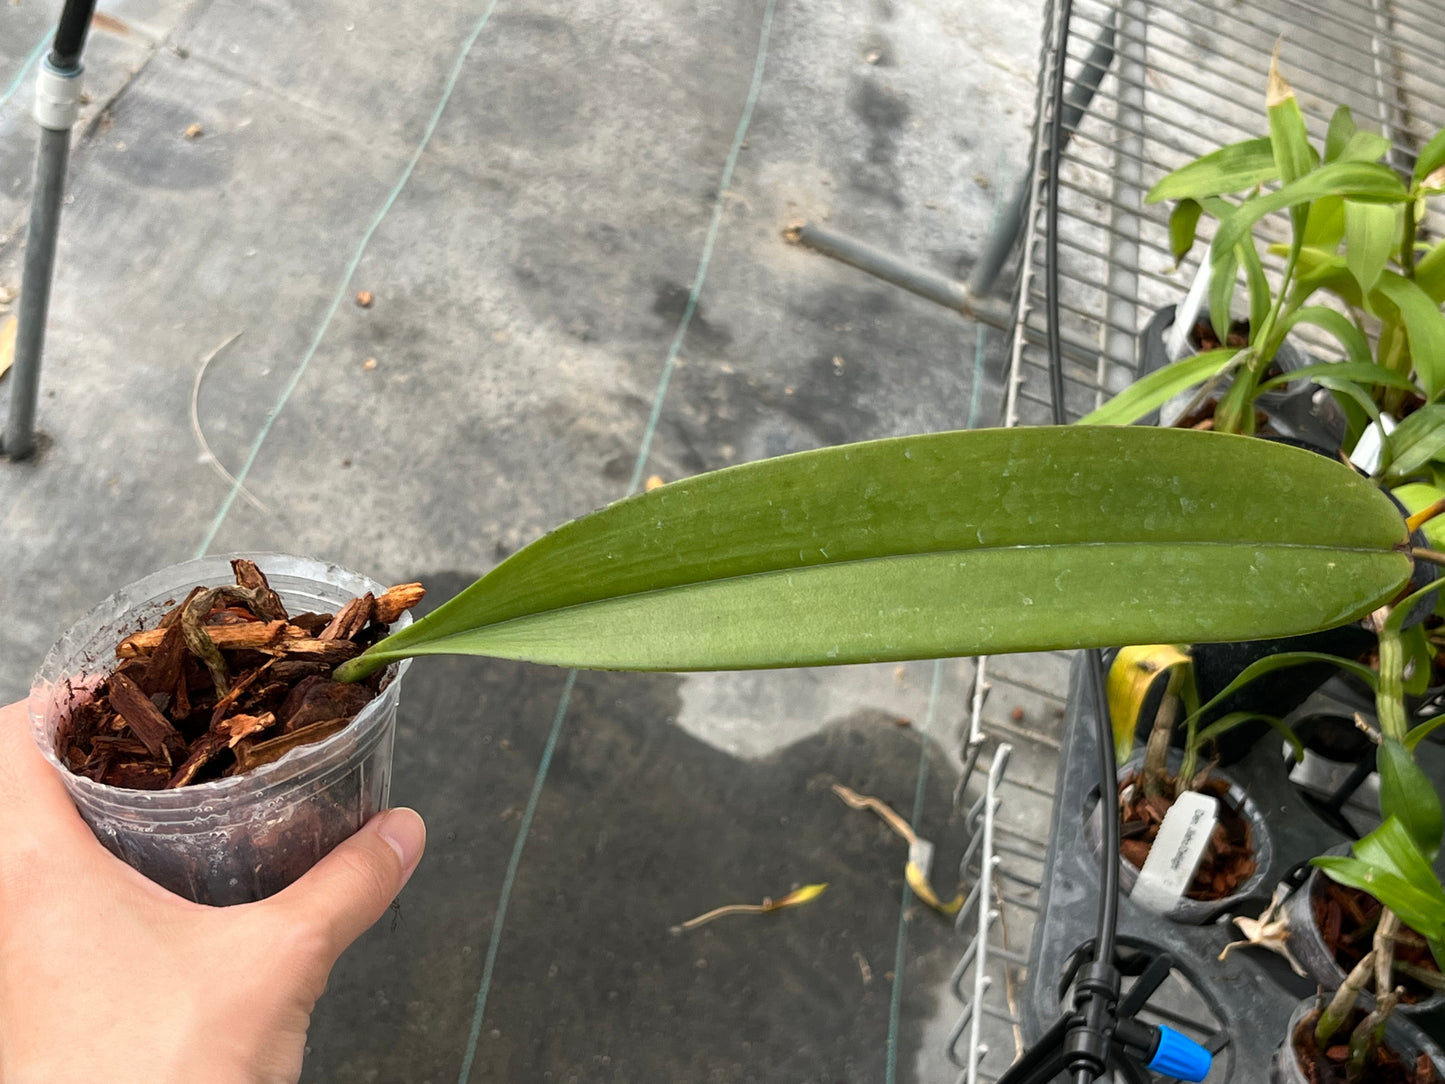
895	1004
344	286
19	80
704	261
514	863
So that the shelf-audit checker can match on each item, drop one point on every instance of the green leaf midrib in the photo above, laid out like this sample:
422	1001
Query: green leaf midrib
440	644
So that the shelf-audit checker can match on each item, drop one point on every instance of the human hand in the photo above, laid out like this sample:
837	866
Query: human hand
106	976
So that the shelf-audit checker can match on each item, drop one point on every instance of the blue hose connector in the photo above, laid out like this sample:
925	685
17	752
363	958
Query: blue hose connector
1180	1057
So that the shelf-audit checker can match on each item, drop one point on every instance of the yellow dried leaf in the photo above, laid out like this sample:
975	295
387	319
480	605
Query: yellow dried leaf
918	881
801	895
792	899
1132	674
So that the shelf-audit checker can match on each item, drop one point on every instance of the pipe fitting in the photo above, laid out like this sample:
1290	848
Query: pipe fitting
57	96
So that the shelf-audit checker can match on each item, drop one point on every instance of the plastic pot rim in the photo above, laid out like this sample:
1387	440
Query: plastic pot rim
309	765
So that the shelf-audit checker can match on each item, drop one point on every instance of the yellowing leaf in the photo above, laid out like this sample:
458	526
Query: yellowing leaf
918	881
1131	676
793	899
801	895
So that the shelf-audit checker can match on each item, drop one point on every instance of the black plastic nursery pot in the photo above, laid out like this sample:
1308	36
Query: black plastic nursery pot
1277	693
1240	1006
1194	912
1401	1036
1301	410
1307	942
1304	414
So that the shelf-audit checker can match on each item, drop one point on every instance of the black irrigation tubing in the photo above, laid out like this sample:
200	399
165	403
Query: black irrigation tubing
1096	1010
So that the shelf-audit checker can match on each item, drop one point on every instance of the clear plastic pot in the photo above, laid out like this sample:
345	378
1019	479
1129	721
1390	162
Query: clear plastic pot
248	836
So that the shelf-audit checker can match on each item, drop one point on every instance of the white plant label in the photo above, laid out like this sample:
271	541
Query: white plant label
1176	852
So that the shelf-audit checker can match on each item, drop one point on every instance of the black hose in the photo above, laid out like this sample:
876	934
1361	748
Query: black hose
70	34
1108	806
1109	854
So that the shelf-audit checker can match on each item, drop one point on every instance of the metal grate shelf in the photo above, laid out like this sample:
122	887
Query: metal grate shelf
1182	80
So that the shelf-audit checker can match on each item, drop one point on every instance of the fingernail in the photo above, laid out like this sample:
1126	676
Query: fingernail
404	831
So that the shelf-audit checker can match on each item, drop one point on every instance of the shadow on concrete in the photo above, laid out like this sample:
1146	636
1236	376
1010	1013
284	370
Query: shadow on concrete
639	827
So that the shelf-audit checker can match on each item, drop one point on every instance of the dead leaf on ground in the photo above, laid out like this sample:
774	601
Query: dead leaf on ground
798	896
920	851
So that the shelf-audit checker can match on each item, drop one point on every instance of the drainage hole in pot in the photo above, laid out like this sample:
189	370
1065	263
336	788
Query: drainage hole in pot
1336	778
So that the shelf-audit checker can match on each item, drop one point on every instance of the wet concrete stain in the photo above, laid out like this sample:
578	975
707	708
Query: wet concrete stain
640	826
728	412
884	113
670	303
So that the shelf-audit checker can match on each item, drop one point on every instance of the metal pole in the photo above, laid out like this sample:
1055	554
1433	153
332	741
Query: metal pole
57	104
940	289
50	165
1005	234
1118	364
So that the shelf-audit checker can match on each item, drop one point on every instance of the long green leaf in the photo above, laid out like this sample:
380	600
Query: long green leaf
1360	180
1226	723
1430	273
1152	391
1293	154
1423	731
1281	661
1342	128
1364	147
1371	234
1407	794
1223	278
1431	158
1425	325
1417	907
1234	168
1260	295
1416	441
1389	865
946	544
1326	227
1357	347
1362	372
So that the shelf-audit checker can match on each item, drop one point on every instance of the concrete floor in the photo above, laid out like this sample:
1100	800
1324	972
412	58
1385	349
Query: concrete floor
531	279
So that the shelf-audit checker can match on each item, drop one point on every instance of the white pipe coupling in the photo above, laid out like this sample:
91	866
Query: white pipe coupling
57	97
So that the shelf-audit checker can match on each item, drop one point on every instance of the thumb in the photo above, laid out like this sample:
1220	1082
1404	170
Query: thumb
352	887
